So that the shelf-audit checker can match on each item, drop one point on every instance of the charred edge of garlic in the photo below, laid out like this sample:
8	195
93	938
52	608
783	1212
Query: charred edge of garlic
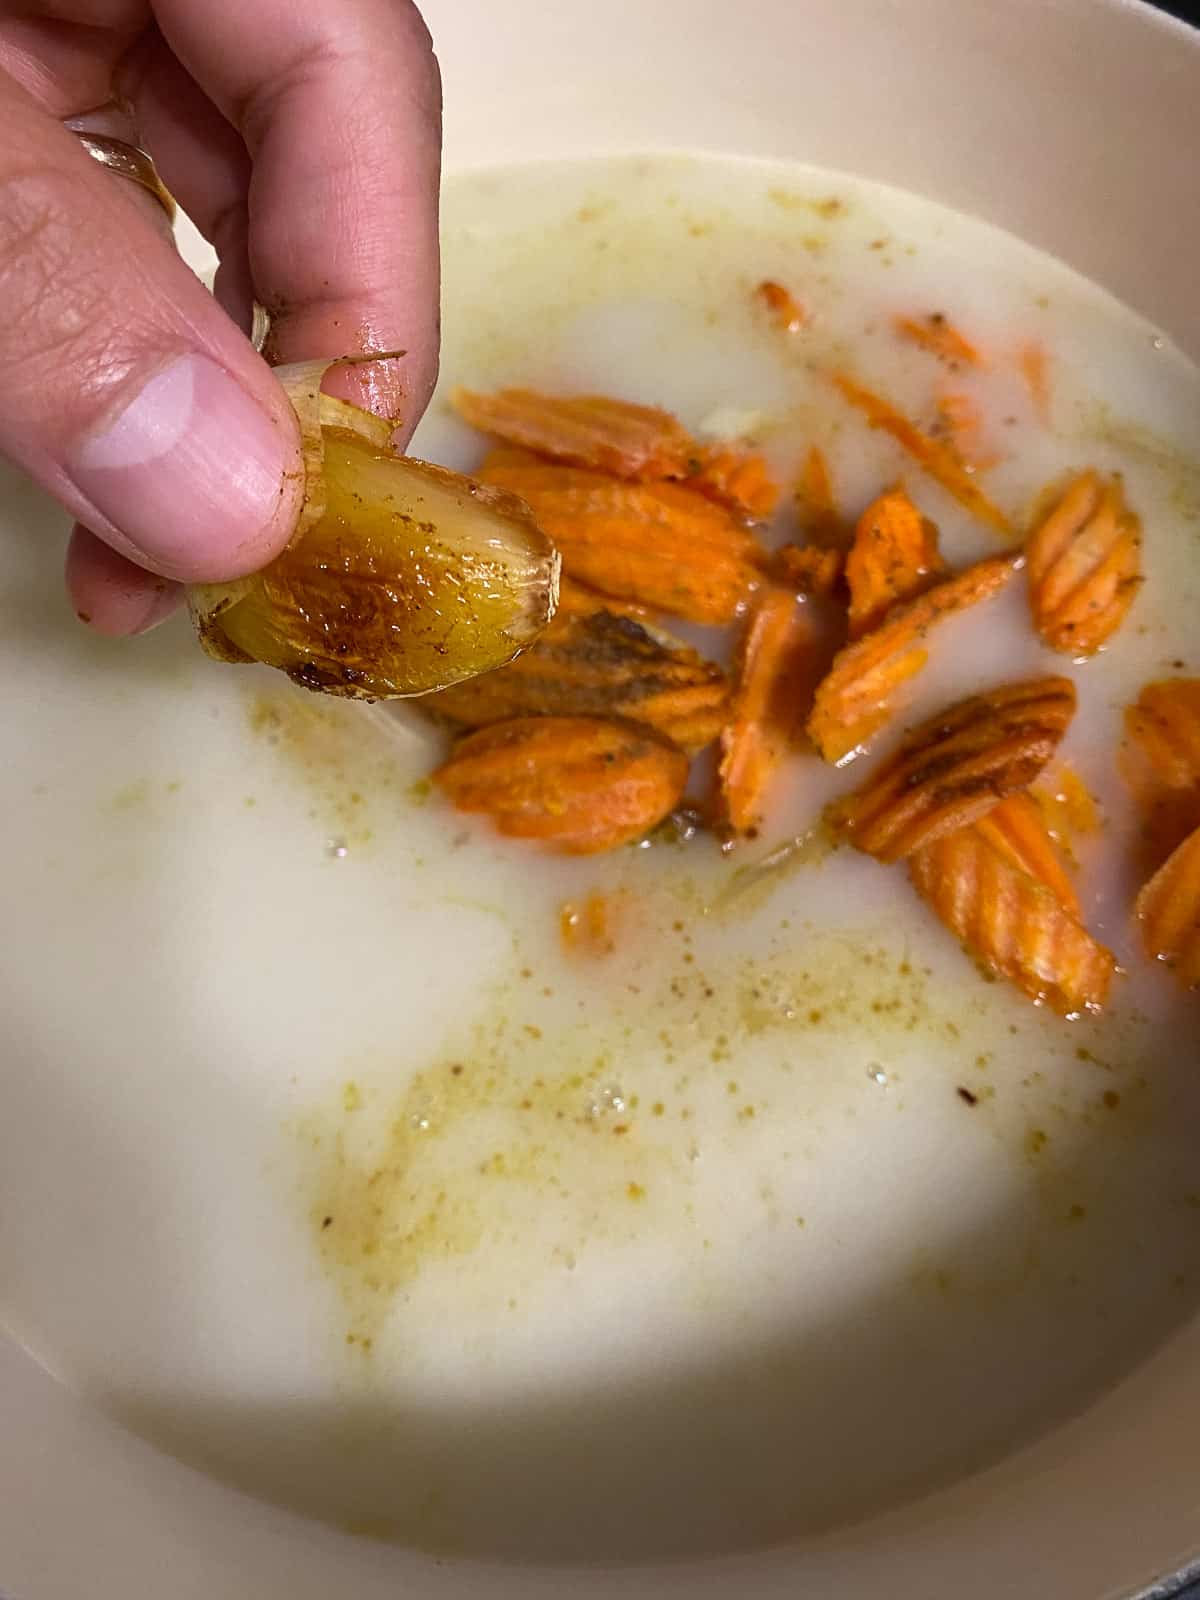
301	382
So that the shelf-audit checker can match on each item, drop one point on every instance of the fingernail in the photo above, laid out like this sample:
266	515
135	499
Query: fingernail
198	477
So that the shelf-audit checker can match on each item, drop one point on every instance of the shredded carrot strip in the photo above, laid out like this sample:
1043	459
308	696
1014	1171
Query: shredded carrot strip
940	337
783	306
640	442
894	556
855	699
960	420
1034	366
774	686
936	457
816	505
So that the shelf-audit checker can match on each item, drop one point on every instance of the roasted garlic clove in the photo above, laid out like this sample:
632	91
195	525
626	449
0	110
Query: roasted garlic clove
402	577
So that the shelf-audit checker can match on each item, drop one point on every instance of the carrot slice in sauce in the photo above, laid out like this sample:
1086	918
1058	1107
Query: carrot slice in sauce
598	666
1084	566
1160	761
1012	922
578	784
1017	829
774	685
615	436
657	545
855	699
955	767
893	558
939	459
937	334
739	479
1168	910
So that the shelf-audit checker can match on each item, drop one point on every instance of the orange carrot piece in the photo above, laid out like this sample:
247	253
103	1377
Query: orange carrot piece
1012	923
855	699
816	505
587	929
1168	910
956	767
960	420
1084	566
739	479
1017	830
577	599
785	309
937	334
598	665
1067	808
578	784
1160	761
641	442
935	456
657	545
809	569
893	558
1034	366
773	688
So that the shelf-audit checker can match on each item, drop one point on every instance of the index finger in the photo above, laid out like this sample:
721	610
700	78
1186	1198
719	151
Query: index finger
339	102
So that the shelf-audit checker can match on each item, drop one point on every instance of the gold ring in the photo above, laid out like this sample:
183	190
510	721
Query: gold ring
127	161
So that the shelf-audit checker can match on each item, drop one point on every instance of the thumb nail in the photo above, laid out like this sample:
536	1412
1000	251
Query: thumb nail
196	478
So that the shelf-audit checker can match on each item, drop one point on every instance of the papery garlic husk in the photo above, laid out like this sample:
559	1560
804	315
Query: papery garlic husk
401	577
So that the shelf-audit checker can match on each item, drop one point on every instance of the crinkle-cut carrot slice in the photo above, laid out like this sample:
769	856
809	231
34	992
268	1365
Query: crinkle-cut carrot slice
584	430
937	334
739	479
1160	761
1084	565
956	766
1012	923
855	699
939	459
811	570
893	558
578	784
786	311
816	503
657	545
773	689
1034	366
598	666
1168	910
1017	829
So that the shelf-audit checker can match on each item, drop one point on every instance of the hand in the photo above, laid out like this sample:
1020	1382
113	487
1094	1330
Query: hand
303	139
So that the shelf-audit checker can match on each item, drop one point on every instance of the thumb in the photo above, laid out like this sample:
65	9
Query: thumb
124	388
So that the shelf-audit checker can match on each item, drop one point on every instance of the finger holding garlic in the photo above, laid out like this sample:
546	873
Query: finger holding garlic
401	577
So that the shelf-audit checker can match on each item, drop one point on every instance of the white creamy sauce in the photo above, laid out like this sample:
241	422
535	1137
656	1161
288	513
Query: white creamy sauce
700	1246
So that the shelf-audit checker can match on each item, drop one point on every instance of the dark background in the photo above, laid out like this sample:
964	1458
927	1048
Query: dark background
1189	10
